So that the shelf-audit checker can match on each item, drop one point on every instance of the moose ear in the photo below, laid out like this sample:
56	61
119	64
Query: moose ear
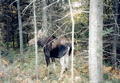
40	32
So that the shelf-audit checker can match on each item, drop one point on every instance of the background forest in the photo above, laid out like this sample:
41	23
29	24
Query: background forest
53	16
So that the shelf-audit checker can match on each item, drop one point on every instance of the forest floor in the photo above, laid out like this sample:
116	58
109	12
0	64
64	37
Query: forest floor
13	70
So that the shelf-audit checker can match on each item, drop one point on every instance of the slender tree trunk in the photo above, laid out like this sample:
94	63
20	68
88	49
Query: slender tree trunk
114	57
13	40
20	29
95	41
44	17
0	45
35	34
1	12
63	1
7	36
1	27
73	27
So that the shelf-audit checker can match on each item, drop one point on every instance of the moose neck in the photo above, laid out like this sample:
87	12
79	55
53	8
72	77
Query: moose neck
42	40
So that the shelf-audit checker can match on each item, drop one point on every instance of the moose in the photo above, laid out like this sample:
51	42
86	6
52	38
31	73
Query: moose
54	47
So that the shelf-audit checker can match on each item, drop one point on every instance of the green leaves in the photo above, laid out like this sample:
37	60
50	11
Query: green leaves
108	31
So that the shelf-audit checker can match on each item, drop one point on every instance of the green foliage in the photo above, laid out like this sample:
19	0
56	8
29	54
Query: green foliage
106	76
108	31
25	71
106	64
12	56
112	81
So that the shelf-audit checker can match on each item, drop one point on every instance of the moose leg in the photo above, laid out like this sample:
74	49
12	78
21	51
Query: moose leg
67	59
63	67
53	60
47	63
66	62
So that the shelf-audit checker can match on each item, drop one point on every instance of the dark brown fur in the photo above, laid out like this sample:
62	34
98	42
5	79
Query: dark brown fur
53	47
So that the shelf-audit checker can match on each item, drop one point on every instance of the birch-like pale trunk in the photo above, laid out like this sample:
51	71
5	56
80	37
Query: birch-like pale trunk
73	26
35	34
20	29
44	17
95	41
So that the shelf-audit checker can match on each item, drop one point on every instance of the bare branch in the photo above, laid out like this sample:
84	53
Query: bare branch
52	4
27	7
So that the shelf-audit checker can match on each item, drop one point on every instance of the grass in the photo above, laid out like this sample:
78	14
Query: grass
15	71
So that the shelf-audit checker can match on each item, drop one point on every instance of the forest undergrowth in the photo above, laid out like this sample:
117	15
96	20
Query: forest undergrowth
14	70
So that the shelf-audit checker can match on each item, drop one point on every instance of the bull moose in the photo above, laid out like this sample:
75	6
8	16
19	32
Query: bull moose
54	48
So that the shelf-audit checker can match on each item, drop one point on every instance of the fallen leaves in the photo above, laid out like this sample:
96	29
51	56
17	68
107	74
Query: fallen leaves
114	73
106	69
84	68
1	73
77	79
22	72
54	81
5	62
45	78
19	79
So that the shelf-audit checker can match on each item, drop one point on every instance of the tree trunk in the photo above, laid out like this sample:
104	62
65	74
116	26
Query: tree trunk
44	17
0	45
7	35
1	27
73	28
1	13
20	29
35	34
114	56
95	41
